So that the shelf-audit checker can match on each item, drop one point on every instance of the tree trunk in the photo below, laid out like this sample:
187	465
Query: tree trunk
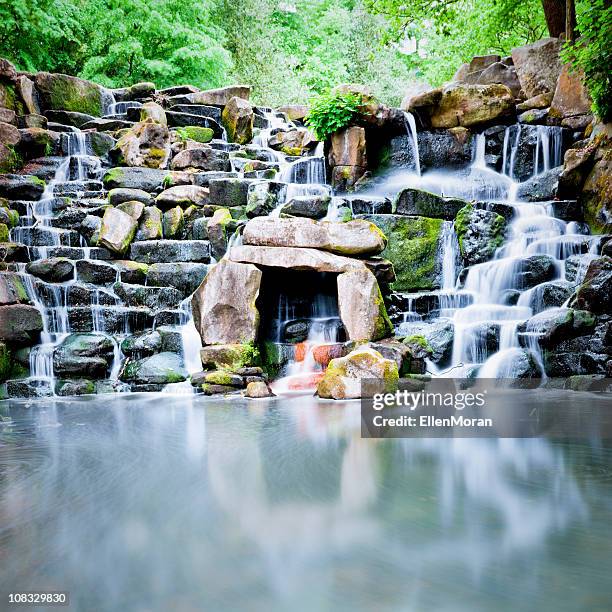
554	13
570	20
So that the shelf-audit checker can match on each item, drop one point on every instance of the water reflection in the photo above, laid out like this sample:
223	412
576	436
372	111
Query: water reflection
182	503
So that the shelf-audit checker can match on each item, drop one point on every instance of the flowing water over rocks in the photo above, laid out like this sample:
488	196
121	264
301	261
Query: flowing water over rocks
179	228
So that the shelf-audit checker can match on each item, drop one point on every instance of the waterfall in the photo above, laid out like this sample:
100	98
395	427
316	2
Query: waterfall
450	255
411	130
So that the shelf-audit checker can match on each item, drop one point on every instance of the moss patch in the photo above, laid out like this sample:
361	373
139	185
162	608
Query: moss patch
193	132
412	248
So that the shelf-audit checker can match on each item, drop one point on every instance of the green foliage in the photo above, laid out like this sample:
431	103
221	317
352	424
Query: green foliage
592	53
333	111
440	35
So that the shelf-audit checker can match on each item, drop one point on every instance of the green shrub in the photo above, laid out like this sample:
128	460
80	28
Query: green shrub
333	111
592	53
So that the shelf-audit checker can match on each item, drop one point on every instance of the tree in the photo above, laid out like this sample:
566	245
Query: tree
560	17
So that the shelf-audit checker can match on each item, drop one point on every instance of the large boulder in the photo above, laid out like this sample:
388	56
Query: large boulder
344	377
293	258
538	66
182	195
153	112
219	97
595	293
21	187
237	118
596	195
293	142
540	188
20	324
54	269
480	233
9	139
353	238
160	369
63	92
263	197
438	336
361	306
571	97
202	158
500	73
83	354
117	230
146	144
146	179
228	317
413	247
348	148
471	105
118	196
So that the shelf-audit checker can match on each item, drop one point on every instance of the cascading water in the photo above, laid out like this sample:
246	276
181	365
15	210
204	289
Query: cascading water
487	308
412	129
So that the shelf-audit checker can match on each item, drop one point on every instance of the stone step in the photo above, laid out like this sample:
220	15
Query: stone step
187	119
84	189
198	109
76	253
169	251
46	236
155	298
184	276
111	319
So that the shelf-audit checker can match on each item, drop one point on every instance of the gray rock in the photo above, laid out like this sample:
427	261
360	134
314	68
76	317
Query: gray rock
168	251
21	187
68	117
154	298
595	292
82	386
29	387
162	368
410	201
81	355
313	207
357	237
54	270
145	179
439	335
182	195
229	192
132	208
150	225
202	158
538	66
480	233
117	230
118	196
173	223
548	295
20	324
540	188
198	109
263	197
224	317
97	272
535	269
90	229
142	345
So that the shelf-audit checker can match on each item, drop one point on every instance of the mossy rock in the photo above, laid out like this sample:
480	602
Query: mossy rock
479	233
193	132
413	246
9	98
63	92
230	357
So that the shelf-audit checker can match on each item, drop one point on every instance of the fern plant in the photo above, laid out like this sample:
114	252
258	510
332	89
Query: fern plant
333	111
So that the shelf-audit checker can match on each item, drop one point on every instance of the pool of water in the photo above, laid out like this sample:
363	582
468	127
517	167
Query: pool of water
181	503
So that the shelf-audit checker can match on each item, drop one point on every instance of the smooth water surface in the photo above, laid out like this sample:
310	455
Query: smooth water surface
164	502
